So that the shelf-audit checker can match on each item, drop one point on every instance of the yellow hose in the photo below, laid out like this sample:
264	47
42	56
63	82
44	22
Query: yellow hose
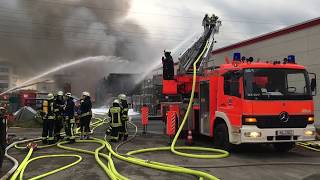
51	172
172	147
110	169
307	146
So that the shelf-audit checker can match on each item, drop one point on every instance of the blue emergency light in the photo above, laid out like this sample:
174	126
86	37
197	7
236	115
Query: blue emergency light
237	56
291	59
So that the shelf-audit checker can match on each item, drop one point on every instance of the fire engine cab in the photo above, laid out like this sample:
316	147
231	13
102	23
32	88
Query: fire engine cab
242	101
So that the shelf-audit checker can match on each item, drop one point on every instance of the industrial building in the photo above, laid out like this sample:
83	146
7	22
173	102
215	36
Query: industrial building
301	40
7	77
114	84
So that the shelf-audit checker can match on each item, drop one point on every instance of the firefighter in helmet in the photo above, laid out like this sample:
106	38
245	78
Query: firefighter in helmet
48	119
69	120
124	116
206	22
114	113
59	112
168	66
85	115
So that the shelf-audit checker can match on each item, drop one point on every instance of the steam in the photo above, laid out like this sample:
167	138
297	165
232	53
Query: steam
39	34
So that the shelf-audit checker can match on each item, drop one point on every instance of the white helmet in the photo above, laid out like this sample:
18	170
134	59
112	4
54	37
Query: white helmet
50	96
116	101
85	93
122	97
68	94
60	93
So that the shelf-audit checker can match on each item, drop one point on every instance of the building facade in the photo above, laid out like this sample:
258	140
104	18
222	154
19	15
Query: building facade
7	77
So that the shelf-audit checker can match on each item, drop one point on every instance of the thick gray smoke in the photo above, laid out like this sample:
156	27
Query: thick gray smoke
39	34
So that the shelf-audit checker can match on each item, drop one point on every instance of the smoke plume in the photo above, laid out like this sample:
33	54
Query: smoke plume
39	34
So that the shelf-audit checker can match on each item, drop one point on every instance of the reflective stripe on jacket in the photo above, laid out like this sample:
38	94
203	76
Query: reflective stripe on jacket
115	114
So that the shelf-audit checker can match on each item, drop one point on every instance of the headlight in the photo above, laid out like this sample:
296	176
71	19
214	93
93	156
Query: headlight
309	133
252	134
310	119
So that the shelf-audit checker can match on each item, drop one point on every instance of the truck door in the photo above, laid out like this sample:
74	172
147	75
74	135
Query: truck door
231	100
204	108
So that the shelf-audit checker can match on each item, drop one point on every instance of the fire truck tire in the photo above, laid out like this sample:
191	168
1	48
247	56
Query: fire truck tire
284	147
221	137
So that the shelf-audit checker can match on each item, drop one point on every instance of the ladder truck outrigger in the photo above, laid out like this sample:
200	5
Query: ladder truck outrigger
240	101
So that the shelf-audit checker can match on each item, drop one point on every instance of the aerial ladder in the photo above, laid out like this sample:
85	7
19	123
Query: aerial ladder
178	90
206	41
181	84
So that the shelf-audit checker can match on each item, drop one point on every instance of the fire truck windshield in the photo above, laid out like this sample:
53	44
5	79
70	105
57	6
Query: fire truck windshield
276	84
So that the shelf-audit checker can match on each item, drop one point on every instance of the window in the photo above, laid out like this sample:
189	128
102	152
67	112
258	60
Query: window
4	69
276	84
296	83
231	84
4	77
4	85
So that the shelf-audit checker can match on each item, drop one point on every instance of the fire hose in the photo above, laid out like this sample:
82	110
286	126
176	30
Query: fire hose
16	165
110	169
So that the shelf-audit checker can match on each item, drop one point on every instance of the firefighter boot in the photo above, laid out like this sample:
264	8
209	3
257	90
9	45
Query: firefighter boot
51	140
44	141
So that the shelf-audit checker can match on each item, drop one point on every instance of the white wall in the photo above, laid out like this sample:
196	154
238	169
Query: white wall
304	44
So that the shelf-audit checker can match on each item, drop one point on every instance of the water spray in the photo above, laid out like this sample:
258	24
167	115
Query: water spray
157	64
64	66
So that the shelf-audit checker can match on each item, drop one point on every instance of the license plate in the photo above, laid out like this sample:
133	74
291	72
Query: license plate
284	133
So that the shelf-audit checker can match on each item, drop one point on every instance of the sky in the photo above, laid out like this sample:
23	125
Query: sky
241	19
37	35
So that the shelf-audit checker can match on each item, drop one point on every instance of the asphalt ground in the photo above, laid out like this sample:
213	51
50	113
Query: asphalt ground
245	154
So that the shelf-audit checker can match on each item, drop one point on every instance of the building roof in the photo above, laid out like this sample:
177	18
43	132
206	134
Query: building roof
287	30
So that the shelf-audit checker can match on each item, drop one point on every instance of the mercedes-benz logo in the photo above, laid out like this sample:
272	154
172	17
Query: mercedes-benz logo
284	117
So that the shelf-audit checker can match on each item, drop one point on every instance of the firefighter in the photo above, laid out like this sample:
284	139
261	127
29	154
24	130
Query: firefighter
168	66
124	116
48	120
115	123
69	120
206	22
3	133
85	115
59	105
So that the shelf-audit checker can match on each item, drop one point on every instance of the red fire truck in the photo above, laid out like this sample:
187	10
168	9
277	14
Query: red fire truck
241	101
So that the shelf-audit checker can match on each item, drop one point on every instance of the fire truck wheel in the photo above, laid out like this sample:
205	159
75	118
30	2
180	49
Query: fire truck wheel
221	137
283	147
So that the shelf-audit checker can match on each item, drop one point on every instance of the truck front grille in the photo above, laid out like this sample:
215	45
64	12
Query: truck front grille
295	121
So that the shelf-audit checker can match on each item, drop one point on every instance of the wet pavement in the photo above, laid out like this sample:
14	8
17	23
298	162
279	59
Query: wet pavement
246	154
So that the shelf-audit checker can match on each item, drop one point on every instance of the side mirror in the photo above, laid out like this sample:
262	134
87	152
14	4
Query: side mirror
313	84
